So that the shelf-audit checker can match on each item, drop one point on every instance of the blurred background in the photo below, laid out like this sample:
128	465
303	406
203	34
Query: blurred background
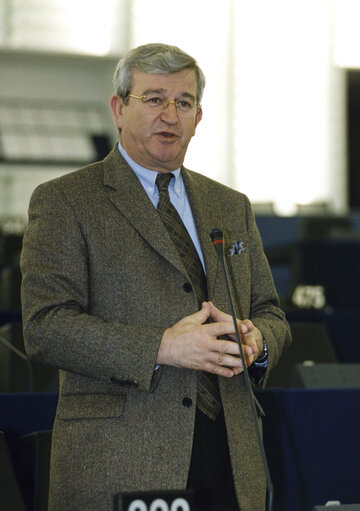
280	106
282	117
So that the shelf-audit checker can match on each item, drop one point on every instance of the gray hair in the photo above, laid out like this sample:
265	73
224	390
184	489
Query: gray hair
154	58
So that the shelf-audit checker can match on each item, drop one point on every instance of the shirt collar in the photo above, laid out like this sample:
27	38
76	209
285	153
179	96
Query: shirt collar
148	176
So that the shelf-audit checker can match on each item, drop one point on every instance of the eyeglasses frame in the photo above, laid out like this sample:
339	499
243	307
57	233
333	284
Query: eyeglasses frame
165	105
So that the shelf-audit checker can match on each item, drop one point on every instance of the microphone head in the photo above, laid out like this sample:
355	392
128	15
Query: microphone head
217	236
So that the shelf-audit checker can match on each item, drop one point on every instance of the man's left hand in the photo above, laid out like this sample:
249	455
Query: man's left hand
250	334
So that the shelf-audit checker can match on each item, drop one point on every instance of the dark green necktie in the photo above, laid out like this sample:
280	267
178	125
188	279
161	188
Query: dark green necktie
208	396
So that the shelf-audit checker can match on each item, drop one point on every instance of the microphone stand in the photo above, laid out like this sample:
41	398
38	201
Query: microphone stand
218	242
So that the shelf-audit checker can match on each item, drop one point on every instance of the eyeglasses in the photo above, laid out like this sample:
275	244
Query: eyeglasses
155	104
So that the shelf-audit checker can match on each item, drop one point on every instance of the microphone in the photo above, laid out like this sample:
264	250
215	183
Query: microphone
22	355
217	239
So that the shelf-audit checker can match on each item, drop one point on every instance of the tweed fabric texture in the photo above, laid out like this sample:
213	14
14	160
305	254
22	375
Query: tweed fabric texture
95	307
208	394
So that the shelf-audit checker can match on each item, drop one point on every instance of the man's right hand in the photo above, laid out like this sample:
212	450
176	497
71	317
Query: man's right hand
192	343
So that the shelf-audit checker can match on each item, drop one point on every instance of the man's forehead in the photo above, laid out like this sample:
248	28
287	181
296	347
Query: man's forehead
184	80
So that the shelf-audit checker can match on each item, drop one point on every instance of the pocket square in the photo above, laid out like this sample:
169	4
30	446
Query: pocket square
238	247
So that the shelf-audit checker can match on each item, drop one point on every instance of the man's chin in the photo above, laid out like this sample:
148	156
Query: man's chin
167	162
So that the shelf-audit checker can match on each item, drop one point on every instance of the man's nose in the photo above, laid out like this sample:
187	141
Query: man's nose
170	111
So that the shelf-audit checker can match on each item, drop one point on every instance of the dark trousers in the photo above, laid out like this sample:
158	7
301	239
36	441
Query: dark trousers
210	474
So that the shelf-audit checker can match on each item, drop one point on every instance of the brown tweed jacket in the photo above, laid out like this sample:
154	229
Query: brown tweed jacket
101	282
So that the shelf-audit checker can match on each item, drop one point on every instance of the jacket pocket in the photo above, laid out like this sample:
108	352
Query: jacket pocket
90	406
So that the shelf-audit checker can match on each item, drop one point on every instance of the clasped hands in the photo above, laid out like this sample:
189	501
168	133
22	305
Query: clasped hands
193	343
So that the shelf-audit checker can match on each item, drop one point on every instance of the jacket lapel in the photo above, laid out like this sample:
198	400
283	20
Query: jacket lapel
130	198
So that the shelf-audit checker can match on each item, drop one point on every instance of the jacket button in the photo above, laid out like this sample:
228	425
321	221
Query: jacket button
187	402
187	287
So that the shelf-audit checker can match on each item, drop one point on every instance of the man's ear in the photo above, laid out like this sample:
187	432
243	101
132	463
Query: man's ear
117	105
198	118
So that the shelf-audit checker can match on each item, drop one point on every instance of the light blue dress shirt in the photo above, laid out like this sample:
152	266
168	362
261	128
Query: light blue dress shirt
177	192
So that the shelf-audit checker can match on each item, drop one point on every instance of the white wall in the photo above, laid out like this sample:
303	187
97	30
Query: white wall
274	103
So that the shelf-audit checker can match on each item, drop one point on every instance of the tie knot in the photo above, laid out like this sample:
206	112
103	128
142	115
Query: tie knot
163	180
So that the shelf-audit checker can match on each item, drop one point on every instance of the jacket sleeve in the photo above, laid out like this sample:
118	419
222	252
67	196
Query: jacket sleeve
266	313
58	328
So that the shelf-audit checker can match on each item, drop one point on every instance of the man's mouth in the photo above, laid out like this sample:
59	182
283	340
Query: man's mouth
167	134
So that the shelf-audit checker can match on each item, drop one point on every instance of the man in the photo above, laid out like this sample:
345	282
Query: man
152	393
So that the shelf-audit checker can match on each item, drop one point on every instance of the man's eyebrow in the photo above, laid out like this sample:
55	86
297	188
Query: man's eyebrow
163	91
154	91
188	95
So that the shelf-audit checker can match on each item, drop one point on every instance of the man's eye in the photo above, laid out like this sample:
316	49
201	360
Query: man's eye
184	104
154	101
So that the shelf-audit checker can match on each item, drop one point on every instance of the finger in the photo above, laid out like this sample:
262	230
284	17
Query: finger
228	353
202	315
237	370
223	359
221	328
254	339
227	372
250	346
222	370
218	315
224	346
246	325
